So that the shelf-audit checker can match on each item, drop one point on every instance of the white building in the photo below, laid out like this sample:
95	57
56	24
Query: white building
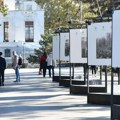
21	29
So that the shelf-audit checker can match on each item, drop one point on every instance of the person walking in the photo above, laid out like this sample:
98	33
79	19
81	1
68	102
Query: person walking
16	66
2	69
50	64
43	63
40	67
93	68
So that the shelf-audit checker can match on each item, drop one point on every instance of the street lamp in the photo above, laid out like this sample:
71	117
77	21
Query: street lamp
23	52
17	49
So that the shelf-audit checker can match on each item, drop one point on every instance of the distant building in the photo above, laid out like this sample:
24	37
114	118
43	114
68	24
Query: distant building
21	29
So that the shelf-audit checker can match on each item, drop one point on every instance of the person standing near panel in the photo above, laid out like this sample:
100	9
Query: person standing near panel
93	68
50	64
2	69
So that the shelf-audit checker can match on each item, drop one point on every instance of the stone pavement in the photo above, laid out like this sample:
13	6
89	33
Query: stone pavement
38	98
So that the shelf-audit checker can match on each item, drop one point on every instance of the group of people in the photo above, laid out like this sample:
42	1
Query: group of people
46	62
16	64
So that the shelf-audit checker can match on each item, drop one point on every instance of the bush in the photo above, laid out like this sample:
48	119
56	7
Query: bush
24	65
108	69
9	65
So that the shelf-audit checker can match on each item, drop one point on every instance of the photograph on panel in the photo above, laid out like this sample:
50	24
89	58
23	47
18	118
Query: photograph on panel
67	47
103	46
84	43
84	47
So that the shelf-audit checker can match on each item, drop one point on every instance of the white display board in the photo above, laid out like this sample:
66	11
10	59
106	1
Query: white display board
78	46
64	46
99	43
55	47
116	39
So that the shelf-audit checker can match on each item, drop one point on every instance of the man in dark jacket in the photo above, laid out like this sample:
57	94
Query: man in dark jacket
2	69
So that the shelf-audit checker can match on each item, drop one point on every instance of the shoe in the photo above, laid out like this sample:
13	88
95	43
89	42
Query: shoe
15	81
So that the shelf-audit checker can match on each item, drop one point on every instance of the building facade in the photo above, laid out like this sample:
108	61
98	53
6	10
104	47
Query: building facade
21	29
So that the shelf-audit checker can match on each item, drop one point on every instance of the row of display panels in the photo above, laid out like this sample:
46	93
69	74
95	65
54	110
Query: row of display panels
98	47
65	49
101	46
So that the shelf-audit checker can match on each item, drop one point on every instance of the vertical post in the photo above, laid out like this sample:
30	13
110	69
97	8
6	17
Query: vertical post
23	53
106	78
70	75
17	49
88	79
69	23
84	72
69	54
73	70
87	66
59	19
111	93
112	75
59	58
101	74
118	75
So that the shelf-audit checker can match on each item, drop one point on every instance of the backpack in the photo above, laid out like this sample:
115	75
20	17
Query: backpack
20	61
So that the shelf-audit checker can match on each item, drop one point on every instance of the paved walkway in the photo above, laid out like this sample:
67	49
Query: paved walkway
37	98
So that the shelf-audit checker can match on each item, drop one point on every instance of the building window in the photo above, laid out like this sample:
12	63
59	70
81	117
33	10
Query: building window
7	52
18	4
29	31
5	31
29	7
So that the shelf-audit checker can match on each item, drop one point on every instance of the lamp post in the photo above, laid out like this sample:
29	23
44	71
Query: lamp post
17	49
23	52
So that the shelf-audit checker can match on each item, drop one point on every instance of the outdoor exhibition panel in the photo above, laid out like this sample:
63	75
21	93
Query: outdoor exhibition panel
78	54
64	46
99	53
55	47
78	46
99	43
116	39
115	107
61	52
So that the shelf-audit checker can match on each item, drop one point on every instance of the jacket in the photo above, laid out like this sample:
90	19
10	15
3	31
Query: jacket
15	61
2	63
